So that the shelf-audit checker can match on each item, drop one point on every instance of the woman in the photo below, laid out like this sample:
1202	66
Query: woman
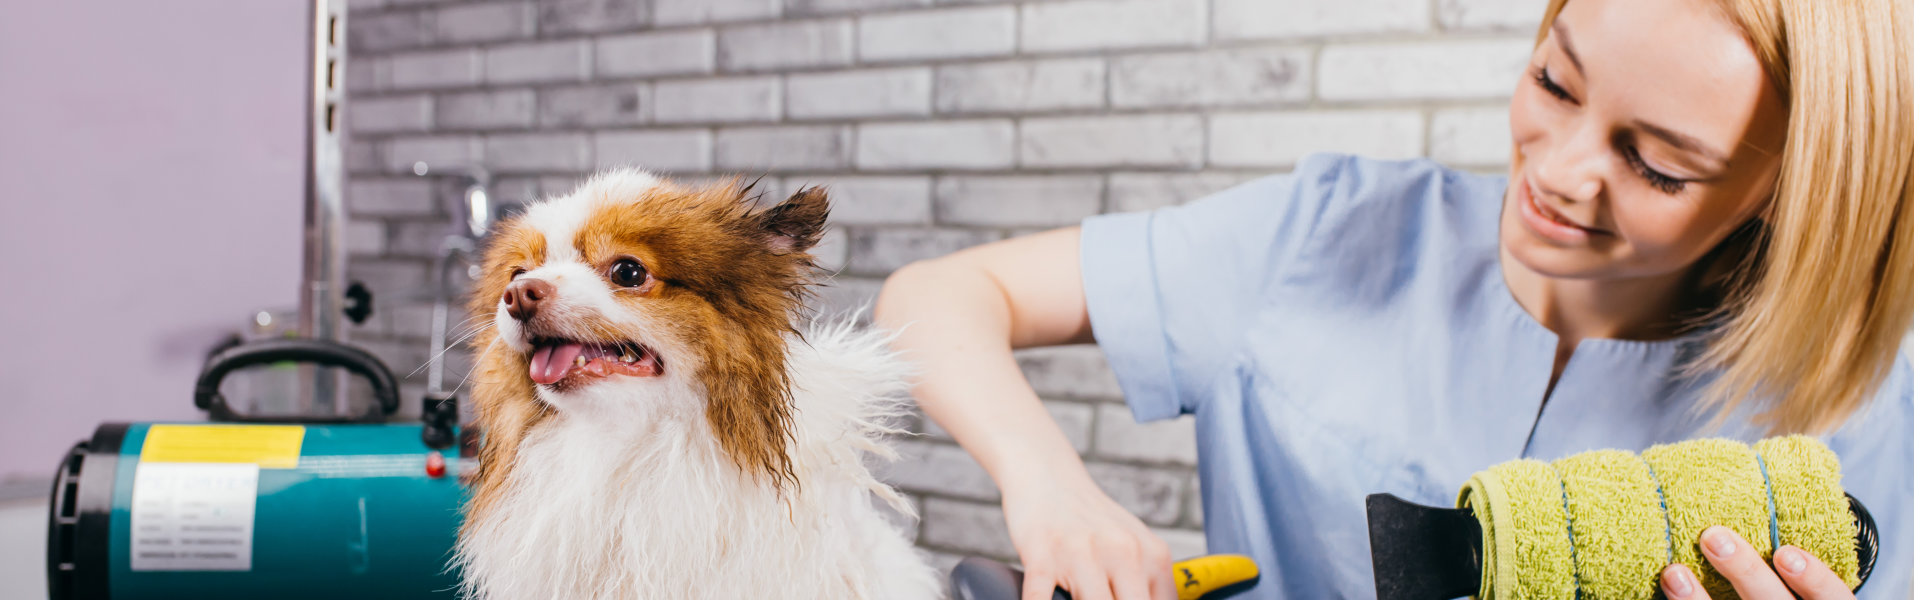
1706	230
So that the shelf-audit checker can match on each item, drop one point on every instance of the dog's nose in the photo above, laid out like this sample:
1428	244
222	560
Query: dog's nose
523	297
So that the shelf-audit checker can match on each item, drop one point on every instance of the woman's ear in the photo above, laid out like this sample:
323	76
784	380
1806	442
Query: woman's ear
795	224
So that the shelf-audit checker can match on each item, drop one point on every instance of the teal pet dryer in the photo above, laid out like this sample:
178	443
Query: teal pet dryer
312	502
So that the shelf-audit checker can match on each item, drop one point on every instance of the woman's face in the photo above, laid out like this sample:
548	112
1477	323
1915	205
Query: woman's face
1645	132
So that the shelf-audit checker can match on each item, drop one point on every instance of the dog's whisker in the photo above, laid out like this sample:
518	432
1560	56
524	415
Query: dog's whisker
451	344
471	368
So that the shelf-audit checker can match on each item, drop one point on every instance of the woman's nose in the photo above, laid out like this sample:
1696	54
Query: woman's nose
1573	169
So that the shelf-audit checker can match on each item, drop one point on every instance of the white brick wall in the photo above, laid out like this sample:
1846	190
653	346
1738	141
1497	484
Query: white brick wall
649	54
1500	15
484	22
395	114
824	43
401	153
865	93
717	100
784	148
927	466
1281	138
942	33
682	12
875	200
1016	200
561	17
810	7
936	125
1470	136
539	152
533	63
1098	24
1229	77
505	109
1022	86
449	68
386	197
1417	70
595	105
684	150
881	250
1244	19
1159	442
955	144
1122	141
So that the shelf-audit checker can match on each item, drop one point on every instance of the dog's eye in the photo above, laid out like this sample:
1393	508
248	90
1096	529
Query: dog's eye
627	272
517	272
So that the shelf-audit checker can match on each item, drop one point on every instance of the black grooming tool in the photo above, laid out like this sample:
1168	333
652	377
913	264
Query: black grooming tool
1429	553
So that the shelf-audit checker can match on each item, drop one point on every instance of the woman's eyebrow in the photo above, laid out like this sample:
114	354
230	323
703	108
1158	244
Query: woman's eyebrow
1683	141
1560	35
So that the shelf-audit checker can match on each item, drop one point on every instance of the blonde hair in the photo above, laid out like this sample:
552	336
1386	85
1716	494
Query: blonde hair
1815	310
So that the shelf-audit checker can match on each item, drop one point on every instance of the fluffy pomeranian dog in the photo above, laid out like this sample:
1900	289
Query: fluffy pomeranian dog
657	427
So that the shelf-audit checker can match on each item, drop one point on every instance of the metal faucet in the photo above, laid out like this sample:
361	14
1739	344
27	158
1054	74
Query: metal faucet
473	211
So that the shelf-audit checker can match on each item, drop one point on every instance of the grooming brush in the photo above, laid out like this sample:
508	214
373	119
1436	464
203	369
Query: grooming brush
1604	524
977	578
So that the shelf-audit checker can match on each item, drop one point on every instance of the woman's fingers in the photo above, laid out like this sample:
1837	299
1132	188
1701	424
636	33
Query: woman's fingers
1679	584
1088	582
1159	565
1074	536
1736	560
1039	581
1808	577
1123	557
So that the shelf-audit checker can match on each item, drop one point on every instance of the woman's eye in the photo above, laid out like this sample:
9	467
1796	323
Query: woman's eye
627	272
1660	181
1545	81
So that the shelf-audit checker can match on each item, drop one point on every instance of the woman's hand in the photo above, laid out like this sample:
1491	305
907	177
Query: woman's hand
1794	572
1070	534
960	317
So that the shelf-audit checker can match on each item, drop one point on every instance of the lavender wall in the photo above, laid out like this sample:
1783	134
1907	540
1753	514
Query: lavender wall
151	177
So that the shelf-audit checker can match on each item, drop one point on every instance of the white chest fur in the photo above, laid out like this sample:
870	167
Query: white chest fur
604	508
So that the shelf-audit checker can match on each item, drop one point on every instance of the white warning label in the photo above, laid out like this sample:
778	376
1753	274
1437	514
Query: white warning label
194	516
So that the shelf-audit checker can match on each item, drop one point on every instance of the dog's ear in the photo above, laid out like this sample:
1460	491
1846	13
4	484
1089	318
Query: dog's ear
794	225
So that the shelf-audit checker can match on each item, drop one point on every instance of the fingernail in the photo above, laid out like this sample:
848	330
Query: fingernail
1790	560
1675	581
1719	542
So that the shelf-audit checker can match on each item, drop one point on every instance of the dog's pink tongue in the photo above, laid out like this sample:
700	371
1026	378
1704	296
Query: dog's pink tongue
550	363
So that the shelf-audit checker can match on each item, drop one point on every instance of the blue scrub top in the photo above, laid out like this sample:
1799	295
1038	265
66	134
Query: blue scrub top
1345	330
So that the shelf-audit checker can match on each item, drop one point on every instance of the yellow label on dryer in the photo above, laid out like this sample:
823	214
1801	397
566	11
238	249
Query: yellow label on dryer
270	446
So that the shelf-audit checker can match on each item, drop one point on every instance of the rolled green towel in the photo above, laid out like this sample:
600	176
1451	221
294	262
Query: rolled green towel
1603	524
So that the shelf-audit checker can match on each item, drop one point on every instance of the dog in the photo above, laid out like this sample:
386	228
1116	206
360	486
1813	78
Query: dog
657	426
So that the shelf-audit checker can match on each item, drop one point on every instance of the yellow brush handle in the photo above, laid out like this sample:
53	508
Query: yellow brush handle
1196	577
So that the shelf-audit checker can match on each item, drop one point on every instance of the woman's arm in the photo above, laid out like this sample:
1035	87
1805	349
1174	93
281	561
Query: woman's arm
959	318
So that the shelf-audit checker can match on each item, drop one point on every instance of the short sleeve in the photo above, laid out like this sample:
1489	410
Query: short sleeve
1171	292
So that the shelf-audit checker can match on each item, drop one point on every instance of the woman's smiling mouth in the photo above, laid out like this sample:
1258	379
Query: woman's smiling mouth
1549	223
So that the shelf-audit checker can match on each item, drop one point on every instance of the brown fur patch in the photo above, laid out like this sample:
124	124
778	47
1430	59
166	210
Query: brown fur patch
504	406
732	286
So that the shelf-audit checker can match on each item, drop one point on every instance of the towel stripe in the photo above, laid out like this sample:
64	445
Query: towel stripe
1573	550
1773	514
1662	490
